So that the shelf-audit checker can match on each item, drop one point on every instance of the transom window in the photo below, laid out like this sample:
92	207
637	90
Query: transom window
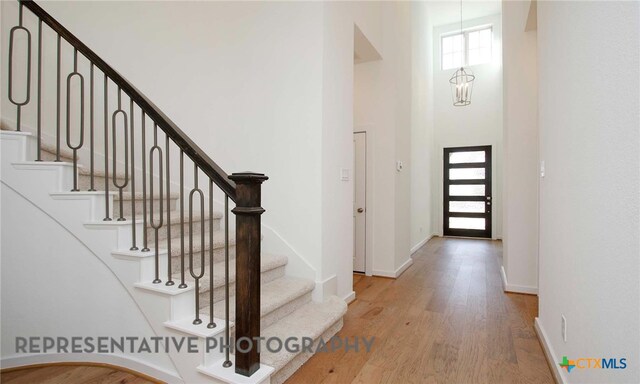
470	47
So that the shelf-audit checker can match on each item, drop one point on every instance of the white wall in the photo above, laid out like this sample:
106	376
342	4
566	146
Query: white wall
520	199
589	103
383	93
421	126
479	123
268	87
83	296
337	134
223	71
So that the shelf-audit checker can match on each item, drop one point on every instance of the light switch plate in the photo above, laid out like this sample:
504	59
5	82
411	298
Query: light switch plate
344	174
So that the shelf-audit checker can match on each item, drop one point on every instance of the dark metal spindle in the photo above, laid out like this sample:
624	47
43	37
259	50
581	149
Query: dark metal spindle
145	247
106	148
114	135
212	323
133	180
19	104
169	273
156	225
58	103
182	282
75	148
199	275
227	362
39	123
91	132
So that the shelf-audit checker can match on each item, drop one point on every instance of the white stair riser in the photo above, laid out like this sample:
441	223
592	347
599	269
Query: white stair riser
97	203
123	230
14	147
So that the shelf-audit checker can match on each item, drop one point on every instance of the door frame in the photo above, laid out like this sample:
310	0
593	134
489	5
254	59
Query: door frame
487	198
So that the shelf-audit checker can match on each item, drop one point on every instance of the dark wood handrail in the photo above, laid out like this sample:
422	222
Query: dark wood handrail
197	155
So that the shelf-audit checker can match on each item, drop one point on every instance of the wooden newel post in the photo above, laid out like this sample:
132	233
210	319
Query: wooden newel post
247	323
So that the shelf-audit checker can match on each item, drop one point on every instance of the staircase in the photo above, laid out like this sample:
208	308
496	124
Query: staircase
167	242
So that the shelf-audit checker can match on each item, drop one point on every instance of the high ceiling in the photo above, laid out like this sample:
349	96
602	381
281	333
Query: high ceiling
448	11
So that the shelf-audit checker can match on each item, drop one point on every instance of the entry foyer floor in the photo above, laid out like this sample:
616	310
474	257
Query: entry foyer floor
445	320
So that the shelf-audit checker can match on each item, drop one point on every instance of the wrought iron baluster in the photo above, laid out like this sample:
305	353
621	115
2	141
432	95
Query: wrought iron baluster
75	148
169	273
212	323
182	282
196	276
19	104
227	362
39	123
91	132
145	246
156	225
106	148
114	128
58	101
133	179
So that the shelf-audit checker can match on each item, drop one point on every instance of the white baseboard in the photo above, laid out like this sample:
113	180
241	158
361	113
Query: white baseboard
348	298
503	274
421	243
404	267
394	274
552	359
516	288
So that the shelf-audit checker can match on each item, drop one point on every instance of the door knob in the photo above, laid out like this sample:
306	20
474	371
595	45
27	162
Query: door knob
360	210
488	197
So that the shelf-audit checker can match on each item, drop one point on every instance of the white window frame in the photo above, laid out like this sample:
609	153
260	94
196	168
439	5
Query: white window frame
465	36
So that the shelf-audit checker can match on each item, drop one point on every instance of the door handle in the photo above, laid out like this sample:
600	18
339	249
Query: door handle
360	210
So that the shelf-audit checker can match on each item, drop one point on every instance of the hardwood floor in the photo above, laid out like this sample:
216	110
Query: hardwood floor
445	320
71	374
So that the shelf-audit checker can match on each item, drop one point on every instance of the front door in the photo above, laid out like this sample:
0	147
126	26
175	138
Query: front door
467	191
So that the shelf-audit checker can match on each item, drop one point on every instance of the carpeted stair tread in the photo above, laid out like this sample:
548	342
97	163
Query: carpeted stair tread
311	320
268	262
218	242
175	218
99	173
273	295
127	196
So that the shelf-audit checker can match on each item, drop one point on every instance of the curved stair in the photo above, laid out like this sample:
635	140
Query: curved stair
286	308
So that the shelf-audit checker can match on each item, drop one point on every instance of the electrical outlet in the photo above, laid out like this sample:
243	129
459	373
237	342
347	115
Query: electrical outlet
564	328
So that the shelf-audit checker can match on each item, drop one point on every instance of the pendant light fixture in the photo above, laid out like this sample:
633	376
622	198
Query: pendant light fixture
462	81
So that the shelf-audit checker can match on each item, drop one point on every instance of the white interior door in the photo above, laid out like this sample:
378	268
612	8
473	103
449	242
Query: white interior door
359	200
